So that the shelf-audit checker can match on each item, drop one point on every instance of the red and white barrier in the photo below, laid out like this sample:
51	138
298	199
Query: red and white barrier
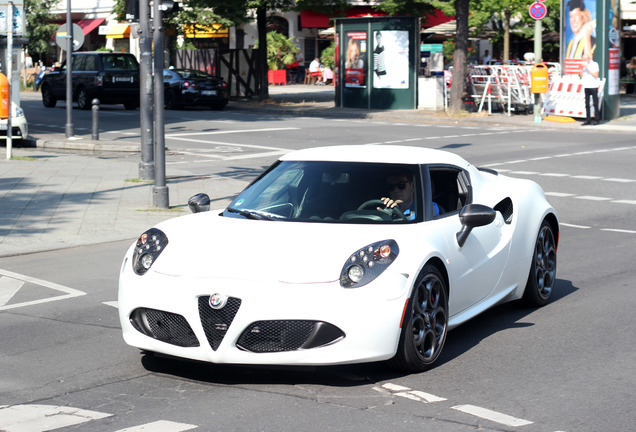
566	97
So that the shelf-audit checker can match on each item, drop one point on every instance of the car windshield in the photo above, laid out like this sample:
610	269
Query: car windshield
118	62
191	73
334	192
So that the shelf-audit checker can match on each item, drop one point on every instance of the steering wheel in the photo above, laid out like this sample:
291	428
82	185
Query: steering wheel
394	212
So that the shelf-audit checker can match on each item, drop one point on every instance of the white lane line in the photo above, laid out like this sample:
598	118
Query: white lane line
619	230
114	304
632	202
230	132
559	194
8	288
586	177
229	144
494	416
554	175
593	198
160	426
618	180
40	418
574	226
405	392
69	292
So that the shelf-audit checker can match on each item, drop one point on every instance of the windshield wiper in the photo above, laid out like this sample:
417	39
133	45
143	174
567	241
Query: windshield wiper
250	214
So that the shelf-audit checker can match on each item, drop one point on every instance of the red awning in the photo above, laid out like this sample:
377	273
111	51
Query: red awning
435	18
88	25
314	19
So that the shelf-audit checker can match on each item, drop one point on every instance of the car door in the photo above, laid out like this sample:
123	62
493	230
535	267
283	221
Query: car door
476	267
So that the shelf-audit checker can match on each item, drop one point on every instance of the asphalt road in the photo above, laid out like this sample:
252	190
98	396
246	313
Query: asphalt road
569	366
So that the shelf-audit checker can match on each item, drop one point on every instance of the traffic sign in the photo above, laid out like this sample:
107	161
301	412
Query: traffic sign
61	36
538	10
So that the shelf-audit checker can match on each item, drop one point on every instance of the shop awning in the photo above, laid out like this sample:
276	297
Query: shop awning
310	18
118	31
88	25
198	31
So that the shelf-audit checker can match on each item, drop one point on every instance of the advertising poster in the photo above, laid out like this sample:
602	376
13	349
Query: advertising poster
614	38
355	59
391	59
580	34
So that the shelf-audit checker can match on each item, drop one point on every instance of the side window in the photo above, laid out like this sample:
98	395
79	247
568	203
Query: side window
78	63
90	63
450	187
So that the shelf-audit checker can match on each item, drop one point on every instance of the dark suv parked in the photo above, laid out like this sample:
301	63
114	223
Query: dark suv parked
113	78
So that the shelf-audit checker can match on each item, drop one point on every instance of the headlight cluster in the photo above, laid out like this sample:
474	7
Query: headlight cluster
149	246
366	264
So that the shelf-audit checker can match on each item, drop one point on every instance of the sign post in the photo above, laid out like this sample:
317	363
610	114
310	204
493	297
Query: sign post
538	10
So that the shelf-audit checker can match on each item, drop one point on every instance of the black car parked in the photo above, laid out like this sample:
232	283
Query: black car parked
193	87
113	78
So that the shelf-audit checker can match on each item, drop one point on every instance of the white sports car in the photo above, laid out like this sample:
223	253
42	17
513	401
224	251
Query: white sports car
338	255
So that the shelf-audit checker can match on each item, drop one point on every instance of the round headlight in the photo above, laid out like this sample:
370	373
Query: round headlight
355	273
146	261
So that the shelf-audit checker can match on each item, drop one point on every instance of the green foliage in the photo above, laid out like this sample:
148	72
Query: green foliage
39	25
328	56
280	50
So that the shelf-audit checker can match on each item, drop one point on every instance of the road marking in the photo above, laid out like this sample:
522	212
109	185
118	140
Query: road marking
8	288
592	198
618	180
616	149
494	416
632	202
405	392
619	230
160	426
114	304
172	135
69	292
559	194
40	418
574	226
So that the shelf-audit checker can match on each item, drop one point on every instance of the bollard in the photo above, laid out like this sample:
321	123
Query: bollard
95	109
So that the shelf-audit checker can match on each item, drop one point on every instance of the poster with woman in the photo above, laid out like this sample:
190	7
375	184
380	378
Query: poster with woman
391	59
355	68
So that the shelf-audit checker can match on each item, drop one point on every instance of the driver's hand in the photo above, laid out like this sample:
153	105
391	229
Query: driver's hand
389	203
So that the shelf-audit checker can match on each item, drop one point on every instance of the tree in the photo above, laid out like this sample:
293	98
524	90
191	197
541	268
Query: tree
39	26
280	51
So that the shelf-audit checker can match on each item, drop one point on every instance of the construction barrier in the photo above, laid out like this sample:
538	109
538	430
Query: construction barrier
566	97
504	88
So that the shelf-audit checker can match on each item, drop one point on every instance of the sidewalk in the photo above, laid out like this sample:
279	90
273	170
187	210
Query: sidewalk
51	200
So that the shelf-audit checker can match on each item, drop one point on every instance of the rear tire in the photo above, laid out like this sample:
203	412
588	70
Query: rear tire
542	269
82	100
425	323
47	97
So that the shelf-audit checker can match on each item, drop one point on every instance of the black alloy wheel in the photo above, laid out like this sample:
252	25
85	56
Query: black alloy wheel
425	324
542	269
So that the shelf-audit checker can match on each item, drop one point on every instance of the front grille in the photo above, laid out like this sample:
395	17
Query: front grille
216	322
164	326
287	335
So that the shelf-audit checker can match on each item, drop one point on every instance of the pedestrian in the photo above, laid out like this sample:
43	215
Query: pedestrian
590	81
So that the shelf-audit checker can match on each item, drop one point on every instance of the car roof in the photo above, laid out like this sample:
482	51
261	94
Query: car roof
391	154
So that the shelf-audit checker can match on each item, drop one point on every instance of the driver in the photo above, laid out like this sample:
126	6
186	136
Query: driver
402	195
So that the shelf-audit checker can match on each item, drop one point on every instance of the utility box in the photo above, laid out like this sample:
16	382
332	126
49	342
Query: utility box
539	78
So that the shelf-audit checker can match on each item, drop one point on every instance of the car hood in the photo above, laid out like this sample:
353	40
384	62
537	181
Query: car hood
209	245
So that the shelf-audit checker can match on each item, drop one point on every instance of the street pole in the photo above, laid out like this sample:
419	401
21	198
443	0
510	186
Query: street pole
69	128
147	164
538	57
159	190
9	76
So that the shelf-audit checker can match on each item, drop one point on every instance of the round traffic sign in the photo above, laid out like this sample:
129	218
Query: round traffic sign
61	37
538	10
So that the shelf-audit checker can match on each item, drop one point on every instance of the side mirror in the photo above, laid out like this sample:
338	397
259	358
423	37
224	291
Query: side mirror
199	203
472	216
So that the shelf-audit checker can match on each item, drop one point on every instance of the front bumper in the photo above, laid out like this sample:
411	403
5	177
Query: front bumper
19	128
270	323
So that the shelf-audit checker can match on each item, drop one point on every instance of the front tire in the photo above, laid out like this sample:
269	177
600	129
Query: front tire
48	100
425	323
543	268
